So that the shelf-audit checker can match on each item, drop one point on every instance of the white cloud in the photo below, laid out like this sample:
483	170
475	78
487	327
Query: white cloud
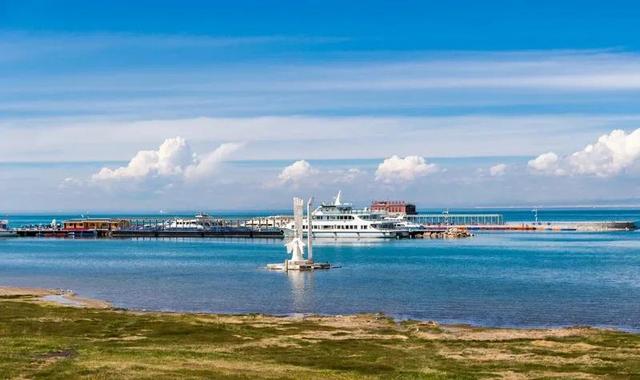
397	169
290	137
209	162
345	175
70	183
498	170
296	173
546	163
21	46
174	159
612	154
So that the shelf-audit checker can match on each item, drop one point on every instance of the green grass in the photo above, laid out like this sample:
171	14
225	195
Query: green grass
45	341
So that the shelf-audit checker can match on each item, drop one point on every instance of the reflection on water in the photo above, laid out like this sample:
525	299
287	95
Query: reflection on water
301	283
364	242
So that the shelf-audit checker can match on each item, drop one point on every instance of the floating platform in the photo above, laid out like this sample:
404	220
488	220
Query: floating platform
299	266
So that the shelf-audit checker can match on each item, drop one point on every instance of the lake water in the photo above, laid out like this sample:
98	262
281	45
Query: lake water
491	279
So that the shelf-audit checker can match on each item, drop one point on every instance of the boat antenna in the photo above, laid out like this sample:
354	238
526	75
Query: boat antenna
338	200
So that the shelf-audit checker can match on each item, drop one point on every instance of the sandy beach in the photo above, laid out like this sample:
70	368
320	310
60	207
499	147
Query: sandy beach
59	296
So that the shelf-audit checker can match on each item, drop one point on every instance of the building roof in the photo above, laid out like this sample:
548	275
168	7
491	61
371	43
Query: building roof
93	220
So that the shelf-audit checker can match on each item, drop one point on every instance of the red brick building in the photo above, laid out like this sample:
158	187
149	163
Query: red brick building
394	207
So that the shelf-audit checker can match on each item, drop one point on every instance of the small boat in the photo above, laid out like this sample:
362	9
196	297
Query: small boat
200	222
5	231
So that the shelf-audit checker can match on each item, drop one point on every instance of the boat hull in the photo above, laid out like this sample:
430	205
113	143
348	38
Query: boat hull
348	234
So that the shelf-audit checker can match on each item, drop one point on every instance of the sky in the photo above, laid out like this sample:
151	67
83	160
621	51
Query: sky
111	106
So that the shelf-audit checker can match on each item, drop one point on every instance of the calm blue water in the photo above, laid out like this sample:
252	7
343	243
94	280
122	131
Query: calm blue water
492	279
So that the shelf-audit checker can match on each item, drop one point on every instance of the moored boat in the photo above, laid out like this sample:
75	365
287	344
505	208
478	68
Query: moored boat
200	222
5	231
342	220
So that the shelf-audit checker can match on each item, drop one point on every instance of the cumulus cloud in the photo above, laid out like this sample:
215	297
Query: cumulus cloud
498	170
296	173
612	154
546	163
174	159
407	169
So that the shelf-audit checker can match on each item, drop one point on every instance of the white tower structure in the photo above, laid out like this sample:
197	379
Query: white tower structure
309	231
296	246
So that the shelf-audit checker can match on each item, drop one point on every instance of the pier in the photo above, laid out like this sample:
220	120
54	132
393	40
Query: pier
272	227
222	232
446	219
155	227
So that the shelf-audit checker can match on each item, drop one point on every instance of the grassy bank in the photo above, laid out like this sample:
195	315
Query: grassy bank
42	340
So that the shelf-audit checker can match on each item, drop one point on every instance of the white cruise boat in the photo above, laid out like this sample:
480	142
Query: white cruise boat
341	220
200	222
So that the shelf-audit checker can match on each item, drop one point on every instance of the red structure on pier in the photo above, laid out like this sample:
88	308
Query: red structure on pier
394	207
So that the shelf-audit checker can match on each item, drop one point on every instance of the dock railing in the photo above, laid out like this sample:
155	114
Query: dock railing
457	219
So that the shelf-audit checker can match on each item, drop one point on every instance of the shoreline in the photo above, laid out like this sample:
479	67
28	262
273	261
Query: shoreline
45	338
61	297
68	298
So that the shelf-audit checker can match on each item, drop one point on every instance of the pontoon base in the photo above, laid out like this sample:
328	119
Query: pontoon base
298	265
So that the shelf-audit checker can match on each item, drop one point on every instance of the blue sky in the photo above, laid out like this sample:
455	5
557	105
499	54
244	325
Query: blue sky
243	104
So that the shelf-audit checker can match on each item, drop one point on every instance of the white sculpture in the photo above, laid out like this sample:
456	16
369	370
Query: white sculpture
295	247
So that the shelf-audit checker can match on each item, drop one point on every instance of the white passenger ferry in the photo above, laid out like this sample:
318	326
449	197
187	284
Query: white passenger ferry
341	220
